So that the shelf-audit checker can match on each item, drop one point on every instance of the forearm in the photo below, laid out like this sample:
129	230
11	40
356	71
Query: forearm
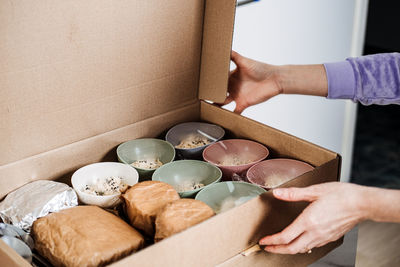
372	79
381	205
303	79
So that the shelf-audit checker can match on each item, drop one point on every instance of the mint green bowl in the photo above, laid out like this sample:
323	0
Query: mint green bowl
145	148
178	172
227	195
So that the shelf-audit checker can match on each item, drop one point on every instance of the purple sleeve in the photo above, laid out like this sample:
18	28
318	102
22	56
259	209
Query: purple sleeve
372	79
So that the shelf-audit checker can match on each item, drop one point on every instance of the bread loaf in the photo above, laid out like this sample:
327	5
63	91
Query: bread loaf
84	236
144	200
179	215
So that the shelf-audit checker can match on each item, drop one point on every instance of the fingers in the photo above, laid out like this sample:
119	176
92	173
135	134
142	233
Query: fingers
290	233
297	194
237	58
300	245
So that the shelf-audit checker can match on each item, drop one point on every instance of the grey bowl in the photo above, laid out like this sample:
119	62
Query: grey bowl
144	148
177	133
20	247
177	172
226	195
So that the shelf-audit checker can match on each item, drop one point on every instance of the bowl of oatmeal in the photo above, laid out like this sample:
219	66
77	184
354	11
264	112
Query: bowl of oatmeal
274	172
102	183
190	138
235	156
146	155
188	177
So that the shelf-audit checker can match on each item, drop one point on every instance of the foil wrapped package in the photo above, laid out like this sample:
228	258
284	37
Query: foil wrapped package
34	200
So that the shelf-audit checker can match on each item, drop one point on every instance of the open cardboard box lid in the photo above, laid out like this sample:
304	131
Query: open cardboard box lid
79	77
72	70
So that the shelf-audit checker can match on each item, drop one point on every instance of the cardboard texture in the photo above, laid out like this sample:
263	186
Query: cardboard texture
216	48
71	70
52	164
77	78
9	257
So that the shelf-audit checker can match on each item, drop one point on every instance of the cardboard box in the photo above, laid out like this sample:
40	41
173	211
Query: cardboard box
77	78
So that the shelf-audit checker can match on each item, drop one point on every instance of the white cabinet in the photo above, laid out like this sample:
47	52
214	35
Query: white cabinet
304	32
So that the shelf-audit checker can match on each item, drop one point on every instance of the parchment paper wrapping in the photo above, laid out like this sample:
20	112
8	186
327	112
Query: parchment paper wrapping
144	200
34	200
84	236
180	215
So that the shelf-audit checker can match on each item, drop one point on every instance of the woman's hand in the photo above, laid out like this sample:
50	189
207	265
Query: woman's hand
335	208
252	82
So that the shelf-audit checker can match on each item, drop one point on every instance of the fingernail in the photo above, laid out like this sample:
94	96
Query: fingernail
277	192
267	248
263	241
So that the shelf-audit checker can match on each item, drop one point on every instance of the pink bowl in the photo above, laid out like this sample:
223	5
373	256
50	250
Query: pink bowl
274	172
235	156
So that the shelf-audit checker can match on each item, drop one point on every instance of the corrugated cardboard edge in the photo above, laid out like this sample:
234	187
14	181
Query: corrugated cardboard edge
9	257
51	164
219	17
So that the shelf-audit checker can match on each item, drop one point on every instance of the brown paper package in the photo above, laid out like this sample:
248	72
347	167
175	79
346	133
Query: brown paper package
180	215
84	236
144	200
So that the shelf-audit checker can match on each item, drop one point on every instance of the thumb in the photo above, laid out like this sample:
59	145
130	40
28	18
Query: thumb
237	58
228	100
296	194
239	108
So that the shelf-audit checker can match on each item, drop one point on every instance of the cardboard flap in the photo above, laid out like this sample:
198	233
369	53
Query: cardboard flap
216	49
71	70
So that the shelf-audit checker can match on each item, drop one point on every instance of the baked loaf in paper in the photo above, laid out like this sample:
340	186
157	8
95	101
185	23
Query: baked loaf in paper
179	215
144	200
84	236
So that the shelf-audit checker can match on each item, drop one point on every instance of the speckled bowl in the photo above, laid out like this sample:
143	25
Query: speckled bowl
226	195
235	148
145	148
274	172
178	172
102	170
177	133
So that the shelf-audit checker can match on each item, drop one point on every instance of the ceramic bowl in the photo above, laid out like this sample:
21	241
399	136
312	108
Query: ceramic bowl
145	148
227	195
235	156
89	174
184	130
186	171
274	172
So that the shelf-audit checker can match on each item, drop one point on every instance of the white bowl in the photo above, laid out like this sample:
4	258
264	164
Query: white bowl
89	174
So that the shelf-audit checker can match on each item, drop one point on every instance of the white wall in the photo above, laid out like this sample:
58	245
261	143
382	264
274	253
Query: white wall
304	32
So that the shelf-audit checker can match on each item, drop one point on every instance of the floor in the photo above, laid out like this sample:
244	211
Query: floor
376	162
378	245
